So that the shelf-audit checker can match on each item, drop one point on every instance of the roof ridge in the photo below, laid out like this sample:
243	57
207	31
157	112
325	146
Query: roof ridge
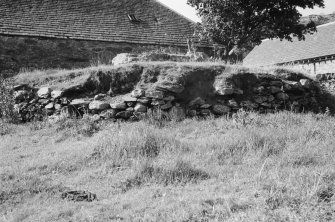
319	26
330	23
171	9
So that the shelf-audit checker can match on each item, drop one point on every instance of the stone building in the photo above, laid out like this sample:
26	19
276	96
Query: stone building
77	33
315	55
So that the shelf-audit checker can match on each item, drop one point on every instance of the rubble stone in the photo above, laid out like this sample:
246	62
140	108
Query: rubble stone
44	92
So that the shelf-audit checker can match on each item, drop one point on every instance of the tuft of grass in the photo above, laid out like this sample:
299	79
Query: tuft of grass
179	172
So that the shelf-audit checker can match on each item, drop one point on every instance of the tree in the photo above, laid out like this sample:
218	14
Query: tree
239	24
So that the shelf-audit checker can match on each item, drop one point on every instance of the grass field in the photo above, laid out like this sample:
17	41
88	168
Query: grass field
251	167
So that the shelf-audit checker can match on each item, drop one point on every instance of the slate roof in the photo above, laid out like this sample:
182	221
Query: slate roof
104	20
270	52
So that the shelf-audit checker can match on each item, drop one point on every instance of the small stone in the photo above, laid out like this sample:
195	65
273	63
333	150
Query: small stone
131	109
98	105
131	104
33	101
166	106
108	114
224	91
80	102
64	101
170	86
137	93
44	92
271	98
157	103
249	105
232	103
99	96
205	106
119	106
191	113
260	99
44	101
306	83
259	90
134	119
293	84
143	100
155	94
129	99
197	102
238	91
276	83
140	108
220	109
282	96
49	106
58	106
56	94
169	98
205	112
275	89
267	105
124	115
96	118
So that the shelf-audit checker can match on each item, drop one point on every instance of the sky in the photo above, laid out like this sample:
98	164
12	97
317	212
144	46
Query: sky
189	12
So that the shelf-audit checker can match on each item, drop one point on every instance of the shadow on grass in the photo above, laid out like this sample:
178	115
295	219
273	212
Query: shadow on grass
180	174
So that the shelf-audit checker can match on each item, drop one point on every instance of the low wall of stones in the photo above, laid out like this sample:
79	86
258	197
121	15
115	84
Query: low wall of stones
261	93
44	53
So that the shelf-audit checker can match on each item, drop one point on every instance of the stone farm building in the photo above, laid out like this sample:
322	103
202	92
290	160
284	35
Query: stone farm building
316	54
77	33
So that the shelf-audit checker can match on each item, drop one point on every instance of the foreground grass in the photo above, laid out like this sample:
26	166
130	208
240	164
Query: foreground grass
276	167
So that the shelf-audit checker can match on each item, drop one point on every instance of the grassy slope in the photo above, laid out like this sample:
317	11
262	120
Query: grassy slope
59	79
248	168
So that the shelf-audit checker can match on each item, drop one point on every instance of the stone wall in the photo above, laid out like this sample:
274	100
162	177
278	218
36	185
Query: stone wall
138	90
43	53
321	67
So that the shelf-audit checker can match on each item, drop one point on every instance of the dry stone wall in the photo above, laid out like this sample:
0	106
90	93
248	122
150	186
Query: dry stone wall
193	92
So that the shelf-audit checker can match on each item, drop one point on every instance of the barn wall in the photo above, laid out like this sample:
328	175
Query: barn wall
41	53
321	67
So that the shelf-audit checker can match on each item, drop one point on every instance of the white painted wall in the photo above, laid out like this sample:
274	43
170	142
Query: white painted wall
321	67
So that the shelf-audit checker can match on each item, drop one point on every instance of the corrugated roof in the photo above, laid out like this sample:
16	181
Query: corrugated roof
104	20
270	52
